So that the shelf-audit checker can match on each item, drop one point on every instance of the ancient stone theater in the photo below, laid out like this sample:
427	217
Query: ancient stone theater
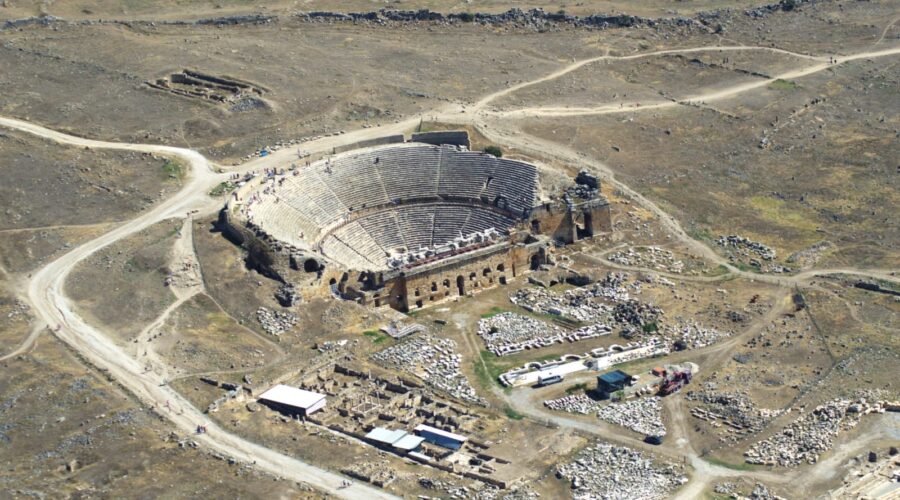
407	223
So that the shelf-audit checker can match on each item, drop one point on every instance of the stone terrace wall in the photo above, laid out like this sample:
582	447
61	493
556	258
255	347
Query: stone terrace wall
454	137
377	141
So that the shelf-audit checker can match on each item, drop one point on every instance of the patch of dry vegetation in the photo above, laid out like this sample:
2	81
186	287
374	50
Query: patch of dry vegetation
122	286
66	430
47	184
822	174
200	337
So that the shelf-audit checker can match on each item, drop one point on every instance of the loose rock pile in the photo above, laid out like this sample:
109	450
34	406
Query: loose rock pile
19	311
434	360
508	333
759	492
186	274
693	335
379	473
735	410
651	257
275	322
642	415
581	304
570	304
575	403
613	472
744	246
636	314
809	436
474	492
288	295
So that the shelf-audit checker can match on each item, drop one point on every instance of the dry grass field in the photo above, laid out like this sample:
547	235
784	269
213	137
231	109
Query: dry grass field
123	286
67	430
718	118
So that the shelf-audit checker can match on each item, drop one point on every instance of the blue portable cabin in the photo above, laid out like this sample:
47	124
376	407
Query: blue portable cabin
611	382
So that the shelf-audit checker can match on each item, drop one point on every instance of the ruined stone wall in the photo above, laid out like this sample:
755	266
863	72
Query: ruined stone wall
454	137
461	278
561	223
377	141
428	288
312	272
600	217
261	254
553	220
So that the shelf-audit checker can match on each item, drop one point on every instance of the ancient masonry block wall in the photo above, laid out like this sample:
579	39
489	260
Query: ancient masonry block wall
464	277
601	219
557	221
454	137
270	258
459	280
377	141
554	220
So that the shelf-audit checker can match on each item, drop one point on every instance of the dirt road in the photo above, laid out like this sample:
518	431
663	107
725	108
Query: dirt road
45	292
630	107
606	57
45	288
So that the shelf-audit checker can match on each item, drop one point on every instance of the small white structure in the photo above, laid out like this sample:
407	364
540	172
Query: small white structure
292	401
398	439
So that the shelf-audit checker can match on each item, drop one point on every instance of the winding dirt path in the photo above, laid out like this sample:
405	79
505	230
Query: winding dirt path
886	29
629	107
45	292
479	105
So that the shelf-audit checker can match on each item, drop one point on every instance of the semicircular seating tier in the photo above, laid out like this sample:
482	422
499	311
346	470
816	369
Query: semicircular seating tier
362	206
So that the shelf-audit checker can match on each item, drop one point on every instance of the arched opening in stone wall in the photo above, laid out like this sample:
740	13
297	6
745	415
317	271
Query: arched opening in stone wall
310	265
461	285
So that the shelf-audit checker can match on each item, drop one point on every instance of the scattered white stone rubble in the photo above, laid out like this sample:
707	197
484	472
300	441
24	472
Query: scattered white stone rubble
574	403
508	333
693	335
760	492
612	472
651	257
584	304
275	322
642	415
434	360
732	412
805	439
477	491
744	246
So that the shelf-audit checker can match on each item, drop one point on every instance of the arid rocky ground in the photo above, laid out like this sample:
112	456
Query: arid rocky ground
804	165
